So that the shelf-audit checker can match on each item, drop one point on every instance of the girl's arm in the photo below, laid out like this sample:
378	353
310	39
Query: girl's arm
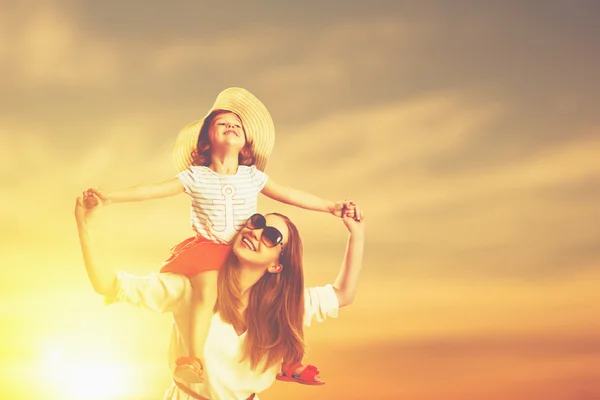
347	279
104	280
302	199
146	191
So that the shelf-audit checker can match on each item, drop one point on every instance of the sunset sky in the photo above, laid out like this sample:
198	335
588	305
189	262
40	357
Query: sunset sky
469	131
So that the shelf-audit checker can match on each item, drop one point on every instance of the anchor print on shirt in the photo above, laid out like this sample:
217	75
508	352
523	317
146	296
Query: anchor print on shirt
228	192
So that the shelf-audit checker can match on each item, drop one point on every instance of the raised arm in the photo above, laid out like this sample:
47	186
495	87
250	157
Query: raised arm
156	292
302	199
103	279
141	192
347	279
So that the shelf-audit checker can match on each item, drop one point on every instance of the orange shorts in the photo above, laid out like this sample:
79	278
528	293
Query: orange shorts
194	255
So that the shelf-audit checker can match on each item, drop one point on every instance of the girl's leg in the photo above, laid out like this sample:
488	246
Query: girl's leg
204	297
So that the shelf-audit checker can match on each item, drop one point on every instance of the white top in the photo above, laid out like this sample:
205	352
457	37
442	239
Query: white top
222	203
225	376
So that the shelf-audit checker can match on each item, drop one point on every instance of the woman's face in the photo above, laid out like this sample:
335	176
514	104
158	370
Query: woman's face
226	130
250	247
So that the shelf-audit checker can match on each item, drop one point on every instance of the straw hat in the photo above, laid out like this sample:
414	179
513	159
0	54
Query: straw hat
258	124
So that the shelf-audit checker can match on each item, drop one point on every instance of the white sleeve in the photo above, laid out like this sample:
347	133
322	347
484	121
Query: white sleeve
319	303
259	178
187	179
158	292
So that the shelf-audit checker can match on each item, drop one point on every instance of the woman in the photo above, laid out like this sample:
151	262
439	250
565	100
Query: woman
261	306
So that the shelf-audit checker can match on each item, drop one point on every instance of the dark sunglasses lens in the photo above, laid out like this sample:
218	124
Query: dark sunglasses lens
271	236
256	221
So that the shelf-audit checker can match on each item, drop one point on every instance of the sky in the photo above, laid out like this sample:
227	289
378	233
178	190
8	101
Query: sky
468	131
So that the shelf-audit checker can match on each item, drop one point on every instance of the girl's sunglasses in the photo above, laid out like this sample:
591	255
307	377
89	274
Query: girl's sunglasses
271	237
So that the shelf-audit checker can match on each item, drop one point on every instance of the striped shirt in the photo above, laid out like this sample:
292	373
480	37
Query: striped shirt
221	203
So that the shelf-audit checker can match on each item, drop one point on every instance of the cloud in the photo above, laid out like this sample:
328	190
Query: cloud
492	218
43	46
493	221
99	57
467	131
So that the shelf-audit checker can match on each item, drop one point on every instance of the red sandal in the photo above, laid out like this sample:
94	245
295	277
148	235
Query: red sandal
306	377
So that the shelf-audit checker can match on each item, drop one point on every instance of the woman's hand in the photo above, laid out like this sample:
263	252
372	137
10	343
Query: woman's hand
96	196
353	218
340	206
346	208
347	279
103	279
86	205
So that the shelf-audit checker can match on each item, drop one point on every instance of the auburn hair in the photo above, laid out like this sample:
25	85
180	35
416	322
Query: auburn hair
201	154
273	319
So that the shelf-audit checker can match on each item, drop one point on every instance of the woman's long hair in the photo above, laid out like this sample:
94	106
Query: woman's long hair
274	315
201	154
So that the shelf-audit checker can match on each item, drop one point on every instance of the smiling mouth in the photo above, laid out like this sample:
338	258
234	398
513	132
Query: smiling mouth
248	243
231	132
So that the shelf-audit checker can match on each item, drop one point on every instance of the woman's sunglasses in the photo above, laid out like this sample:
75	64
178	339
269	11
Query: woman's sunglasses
271	237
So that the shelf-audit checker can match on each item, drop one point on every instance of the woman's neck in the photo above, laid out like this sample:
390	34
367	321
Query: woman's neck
224	164
248	277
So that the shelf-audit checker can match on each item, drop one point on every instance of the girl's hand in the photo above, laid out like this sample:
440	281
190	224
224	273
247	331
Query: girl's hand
339	207
85	206
98	195
353	219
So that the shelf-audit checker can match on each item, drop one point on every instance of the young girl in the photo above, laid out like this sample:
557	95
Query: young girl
222	160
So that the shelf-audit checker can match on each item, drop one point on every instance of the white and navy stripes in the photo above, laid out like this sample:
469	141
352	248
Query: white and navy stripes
221	204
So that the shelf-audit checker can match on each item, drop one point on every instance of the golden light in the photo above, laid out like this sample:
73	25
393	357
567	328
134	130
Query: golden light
92	374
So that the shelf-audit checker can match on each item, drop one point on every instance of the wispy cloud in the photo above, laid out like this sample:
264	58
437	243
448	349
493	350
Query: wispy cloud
469	133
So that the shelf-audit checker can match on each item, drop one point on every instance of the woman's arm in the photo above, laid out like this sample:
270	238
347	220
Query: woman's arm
302	199
156	292
347	279
323	302
103	279
141	192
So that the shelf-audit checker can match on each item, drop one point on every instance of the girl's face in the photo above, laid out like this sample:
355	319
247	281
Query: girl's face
226	130
252	248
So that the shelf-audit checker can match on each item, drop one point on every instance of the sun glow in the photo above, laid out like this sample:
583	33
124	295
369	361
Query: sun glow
91	374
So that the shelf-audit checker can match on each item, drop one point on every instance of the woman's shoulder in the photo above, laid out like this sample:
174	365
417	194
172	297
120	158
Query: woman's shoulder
320	302
325	291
